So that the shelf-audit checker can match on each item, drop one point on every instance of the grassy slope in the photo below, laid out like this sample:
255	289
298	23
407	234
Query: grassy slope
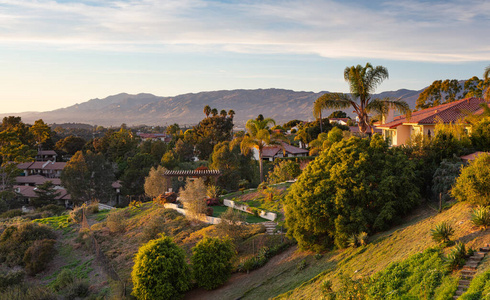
391	246
281	278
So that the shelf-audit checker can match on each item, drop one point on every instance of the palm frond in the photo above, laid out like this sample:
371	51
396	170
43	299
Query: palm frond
332	100
381	106
486	74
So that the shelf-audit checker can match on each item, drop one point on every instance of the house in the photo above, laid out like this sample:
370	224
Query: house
45	155
471	157
47	169
399	129
341	121
275	151
25	193
155	136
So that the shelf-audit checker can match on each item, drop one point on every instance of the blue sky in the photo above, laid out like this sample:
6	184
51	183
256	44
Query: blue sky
57	53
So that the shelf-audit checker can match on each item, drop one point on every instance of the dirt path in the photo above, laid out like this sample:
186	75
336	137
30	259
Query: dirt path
240	283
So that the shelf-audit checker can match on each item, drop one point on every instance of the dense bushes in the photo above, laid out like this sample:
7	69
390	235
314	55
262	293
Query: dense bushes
480	217
479	288
14	241
472	185
11	278
160	271
284	170
39	255
357	185
422	276
116	220
211	262
442	232
263	257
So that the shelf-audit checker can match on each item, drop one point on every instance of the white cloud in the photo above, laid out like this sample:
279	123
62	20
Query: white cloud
397	30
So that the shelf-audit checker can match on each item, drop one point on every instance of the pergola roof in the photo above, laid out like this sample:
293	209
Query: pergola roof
197	173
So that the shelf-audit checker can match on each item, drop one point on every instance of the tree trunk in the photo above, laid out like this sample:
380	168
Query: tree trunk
321	129
261	166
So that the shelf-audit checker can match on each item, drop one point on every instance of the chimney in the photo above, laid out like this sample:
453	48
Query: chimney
390	116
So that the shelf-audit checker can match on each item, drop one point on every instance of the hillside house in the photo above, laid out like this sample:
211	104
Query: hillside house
47	169
272	152
155	137
398	130
46	155
341	121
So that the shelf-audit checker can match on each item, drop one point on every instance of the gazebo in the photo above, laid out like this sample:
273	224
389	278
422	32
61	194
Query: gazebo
181	174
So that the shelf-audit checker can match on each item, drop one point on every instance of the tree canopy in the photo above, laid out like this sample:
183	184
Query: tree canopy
357	185
88	176
363	82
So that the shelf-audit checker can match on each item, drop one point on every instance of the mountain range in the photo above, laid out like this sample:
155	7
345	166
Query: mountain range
280	104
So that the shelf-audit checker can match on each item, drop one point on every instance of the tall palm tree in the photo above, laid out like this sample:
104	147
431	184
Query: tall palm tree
258	136
362	83
231	113
214	112
222	113
486	77
207	110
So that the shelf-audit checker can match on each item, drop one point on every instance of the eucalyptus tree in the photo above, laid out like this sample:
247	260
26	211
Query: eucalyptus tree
362	84
259	136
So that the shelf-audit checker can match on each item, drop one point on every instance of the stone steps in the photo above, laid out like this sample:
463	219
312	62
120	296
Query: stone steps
270	227
469	270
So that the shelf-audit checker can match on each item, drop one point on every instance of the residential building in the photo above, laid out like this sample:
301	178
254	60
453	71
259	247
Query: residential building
400	129
275	151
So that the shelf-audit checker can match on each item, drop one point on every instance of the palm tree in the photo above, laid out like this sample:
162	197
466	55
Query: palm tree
222	113
486	77
362	83
207	110
231	113
214	112
258	136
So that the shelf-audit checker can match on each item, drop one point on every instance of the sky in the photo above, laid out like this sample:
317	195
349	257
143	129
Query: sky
54	54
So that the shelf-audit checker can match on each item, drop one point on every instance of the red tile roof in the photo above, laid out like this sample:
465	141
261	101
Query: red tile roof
472	156
271	151
36	179
449	112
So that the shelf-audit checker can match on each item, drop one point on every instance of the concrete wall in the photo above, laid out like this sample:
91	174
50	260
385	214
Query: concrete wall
204	218
263	214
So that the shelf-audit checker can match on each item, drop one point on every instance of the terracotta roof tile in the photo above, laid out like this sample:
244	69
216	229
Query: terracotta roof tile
449	112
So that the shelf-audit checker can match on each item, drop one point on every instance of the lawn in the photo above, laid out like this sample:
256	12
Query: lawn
218	210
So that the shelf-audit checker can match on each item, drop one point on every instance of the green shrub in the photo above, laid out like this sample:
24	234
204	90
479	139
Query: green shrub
284	170
64	278
480	217
479	288
27	292
211	262
357	240
472	185
457	257
85	238
360	185
78	289
263	257
77	214
301	265
442	232
116	220
11	278
53	208
14	241
39	255
160	271
11	213
444	177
